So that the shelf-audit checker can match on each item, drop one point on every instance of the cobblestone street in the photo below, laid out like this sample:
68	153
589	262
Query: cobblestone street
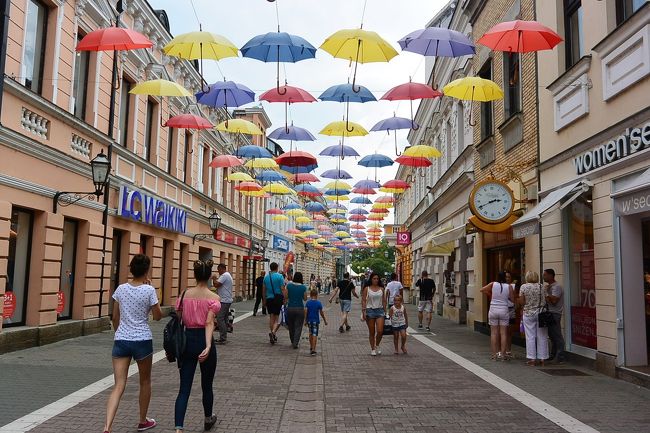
263	388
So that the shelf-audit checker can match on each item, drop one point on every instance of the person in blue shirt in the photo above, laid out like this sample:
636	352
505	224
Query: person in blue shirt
312	309
275	295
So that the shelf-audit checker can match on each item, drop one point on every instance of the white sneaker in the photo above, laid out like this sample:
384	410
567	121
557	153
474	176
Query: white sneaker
373	352
378	351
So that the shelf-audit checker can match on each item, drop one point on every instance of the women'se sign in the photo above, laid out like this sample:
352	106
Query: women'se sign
139	206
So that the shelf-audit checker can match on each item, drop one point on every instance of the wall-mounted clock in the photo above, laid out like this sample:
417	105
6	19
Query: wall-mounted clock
492	201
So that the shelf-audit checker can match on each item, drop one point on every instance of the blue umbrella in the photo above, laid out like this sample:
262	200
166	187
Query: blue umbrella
336	173
291	206
376	160
225	94
314	206
335	205
252	151
361	200
278	47
359	211
367	183
394	123
305	227
339	150
342	227
307	189
296	170
345	93
293	133
270	176
337	191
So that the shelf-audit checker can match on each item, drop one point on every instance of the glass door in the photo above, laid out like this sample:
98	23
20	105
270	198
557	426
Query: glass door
20	243
67	274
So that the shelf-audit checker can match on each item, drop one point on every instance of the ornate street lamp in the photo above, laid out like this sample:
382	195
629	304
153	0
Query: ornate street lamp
214	221
264	243
100	167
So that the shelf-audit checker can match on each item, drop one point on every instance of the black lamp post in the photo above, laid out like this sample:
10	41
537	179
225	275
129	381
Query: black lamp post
214	221
100	166
264	243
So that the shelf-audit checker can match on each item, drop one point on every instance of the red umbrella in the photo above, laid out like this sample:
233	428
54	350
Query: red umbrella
364	191
304	178
358	227
188	121
113	39
224	161
397	184
379	210
520	37
414	161
358	218
248	186
293	232
296	158
288	95
410	91
385	199
274	211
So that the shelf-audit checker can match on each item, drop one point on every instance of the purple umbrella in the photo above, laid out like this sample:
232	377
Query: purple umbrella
359	211
293	133
394	123
336	173
225	94
361	200
339	150
367	183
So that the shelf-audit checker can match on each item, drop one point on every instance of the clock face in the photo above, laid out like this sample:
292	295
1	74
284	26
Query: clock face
492	201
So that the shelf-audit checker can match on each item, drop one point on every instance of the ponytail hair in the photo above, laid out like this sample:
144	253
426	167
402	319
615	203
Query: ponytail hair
203	270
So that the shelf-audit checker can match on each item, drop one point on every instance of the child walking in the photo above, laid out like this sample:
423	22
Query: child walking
399	322
312	308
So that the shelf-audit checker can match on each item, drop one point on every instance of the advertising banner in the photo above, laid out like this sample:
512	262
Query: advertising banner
403	238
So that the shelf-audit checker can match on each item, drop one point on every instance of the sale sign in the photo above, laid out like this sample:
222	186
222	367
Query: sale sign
583	326
9	305
60	305
403	238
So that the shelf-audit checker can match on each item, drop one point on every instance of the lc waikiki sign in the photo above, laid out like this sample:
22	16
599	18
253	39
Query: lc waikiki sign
632	141
138	206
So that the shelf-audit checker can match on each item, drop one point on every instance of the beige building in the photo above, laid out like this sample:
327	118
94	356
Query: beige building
55	119
594	179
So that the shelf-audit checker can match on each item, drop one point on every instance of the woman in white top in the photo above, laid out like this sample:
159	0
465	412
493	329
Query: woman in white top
373	311
498	317
532	296
133	339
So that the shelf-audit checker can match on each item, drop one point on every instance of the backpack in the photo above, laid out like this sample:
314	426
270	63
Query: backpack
174	336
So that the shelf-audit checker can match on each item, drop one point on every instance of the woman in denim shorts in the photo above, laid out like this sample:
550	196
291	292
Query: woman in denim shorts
133	340
373	312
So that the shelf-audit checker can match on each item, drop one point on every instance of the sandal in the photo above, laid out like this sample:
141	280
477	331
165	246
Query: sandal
531	362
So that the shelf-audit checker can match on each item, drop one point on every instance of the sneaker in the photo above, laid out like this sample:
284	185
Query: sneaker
373	352
210	421
378	351
428	329
341	329
420	326
271	339
348	327
221	341
275	338
313	353
150	423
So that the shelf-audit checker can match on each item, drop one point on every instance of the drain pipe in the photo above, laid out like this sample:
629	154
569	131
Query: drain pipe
5	6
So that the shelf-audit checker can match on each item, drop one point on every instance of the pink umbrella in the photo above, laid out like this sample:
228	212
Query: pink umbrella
225	161
288	95
409	92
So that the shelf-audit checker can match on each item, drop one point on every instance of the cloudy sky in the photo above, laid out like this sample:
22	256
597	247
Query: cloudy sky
315	20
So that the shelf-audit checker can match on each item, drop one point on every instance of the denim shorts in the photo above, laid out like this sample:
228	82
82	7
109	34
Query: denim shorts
313	328
346	305
137	350
375	313
399	328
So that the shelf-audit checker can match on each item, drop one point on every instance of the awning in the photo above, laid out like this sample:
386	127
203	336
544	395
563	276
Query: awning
449	234
528	224
432	250
442	242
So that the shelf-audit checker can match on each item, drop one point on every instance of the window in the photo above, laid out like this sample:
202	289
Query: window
511	84
125	108
35	33
460	124
487	120
449	145
573	31
20	243
625	9
186	159
199	175
171	147
67	274
81	81
149	129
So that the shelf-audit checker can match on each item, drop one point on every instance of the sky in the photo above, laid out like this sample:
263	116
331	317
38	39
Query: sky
315	20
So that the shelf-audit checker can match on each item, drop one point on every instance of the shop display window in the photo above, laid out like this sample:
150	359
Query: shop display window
67	276
20	242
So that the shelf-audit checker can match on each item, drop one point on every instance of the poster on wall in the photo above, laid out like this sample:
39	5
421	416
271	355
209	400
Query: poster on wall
583	316
9	306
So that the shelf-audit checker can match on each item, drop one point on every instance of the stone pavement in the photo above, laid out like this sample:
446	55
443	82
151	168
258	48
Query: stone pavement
264	388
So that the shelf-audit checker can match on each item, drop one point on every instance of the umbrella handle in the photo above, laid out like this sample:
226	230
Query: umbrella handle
354	76
347	126
471	109
397	152
422	172
162	122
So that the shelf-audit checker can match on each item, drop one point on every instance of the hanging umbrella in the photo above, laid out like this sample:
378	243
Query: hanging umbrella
338	184
296	158
473	89
376	217
261	163
342	197
315	206
375	160
358	226
359	218
277	189
248	186
319	217
347	93
358	46
225	94
367	183
274	211
304	177
359	211
280	218
385	199
396	183
293	232
296	170
334	211
364	191
437	42
336	174
342	234
269	176
307	190
392	190
413	161
278	47
240	176
293	133
393	124
409	92
337	194
225	161
159	88
422	151
295	212
188	121
239	126
288	95
252	151
113	39
361	200
379	210
303	219
339	151
343	128
520	37
291	206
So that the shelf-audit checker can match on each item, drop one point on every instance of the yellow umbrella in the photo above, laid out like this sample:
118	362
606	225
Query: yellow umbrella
295	212
342	128
259	193
280	218
342	234
303	219
473	89
240	176
278	189
392	190
306	233
239	126
201	45
340	198
339	185
382	205
261	163
338	219
422	151
160	88
374	225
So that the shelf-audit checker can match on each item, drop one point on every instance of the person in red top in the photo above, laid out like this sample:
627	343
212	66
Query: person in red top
198	307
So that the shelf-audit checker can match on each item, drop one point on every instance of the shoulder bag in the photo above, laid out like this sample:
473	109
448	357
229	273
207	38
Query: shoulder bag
544	317
174	335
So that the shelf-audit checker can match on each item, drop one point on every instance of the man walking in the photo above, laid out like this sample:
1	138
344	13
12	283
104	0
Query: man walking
345	289
555	300
259	294
393	288
427	289
274	290
224	289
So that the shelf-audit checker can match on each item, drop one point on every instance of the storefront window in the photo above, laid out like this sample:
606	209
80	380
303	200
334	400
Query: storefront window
66	284
20	240
582	283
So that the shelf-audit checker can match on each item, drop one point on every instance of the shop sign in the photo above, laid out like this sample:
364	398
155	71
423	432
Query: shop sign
526	229
403	238
9	305
633	140
633	203
280	243
583	326
141	207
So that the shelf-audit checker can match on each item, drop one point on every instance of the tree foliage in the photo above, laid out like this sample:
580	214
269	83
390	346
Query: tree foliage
380	259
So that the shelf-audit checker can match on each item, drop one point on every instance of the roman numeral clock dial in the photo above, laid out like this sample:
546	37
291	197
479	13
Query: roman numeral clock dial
492	201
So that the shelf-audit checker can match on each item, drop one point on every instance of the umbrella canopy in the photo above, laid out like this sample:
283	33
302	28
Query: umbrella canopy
341	128
396	183
376	217
411	91
269	176
278	47
291	206
239	126
364	191
422	151
296	158
394	123
278	189
358	218
437	42
262	163
288	94
274	211
338	184
225	94
240	176
295	212
293	133
113	39
392	190
336	173
379	210
224	161
159	88
304	177
303	219
334	211
473	89
345	93
367	183
293	232
319	217
385	199
520	37
307	190
359	211
296	170
413	161
337	194
248	186
280	218
342	234
252	151
200	45
375	160
358	226
315	206
339	150
361	200
188	121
